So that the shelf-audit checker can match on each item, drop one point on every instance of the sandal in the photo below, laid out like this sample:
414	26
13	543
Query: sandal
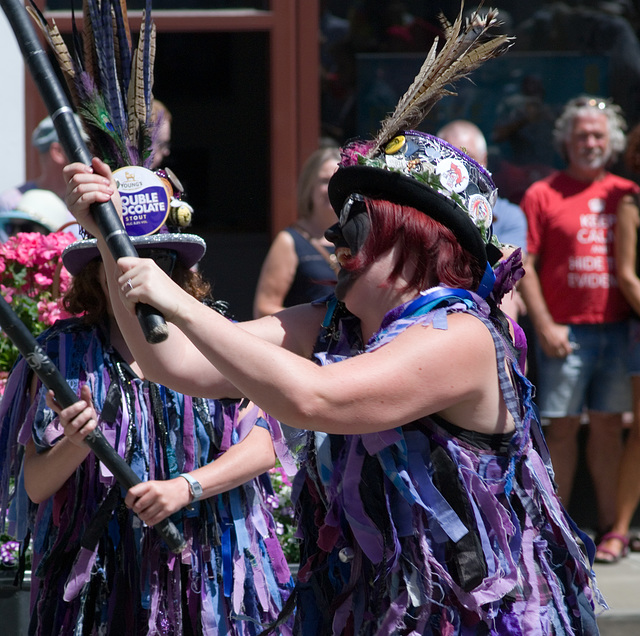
634	543
606	555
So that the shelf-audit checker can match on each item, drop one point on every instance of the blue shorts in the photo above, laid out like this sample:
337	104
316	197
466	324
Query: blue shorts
593	376
634	346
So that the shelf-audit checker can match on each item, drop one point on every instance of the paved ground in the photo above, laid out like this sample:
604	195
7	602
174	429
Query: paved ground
620	585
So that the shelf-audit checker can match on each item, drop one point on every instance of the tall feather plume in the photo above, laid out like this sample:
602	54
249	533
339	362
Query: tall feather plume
58	46
110	85
141	84
123	42
464	49
90	16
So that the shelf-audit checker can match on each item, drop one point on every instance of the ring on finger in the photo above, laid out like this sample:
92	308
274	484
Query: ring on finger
129	285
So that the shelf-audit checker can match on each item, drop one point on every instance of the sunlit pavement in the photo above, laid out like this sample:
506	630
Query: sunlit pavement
620	586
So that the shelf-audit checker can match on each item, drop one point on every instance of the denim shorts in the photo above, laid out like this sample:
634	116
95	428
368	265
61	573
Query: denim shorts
594	376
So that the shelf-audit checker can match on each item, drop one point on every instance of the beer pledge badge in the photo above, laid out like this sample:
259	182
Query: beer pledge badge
145	201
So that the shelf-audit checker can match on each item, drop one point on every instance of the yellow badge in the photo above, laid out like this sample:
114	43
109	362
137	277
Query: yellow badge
394	145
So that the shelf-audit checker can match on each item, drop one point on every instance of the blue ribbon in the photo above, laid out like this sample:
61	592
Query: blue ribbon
425	303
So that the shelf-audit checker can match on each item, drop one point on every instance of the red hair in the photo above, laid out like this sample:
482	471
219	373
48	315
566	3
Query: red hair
429	246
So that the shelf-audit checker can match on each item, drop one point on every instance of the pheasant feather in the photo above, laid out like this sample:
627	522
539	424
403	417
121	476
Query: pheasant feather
58	46
90	17
110	84
464	49
122	45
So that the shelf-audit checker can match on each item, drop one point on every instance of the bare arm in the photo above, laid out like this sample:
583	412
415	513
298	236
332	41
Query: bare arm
276	276
176	363
626	250
153	501
553	338
380	390
389	387
45	473
182	362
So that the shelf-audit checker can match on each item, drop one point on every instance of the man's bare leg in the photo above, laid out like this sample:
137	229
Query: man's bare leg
604	451
562	439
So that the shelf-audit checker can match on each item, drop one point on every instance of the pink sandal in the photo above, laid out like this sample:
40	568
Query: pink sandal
607	555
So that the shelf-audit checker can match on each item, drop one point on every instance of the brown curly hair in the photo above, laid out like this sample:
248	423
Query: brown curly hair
85	297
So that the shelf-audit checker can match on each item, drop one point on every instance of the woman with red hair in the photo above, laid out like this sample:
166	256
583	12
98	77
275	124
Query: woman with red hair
426	500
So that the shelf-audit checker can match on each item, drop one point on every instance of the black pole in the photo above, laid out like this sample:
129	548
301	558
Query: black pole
51	377
105	214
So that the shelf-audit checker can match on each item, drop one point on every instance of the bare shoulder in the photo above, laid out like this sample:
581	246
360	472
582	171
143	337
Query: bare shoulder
283	241
282	251
463	331
464	373
464	352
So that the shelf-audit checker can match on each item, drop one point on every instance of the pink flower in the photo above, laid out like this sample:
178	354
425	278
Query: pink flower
42	280
9	250
26	247
33	280
7	293
53	244
51	311
349	153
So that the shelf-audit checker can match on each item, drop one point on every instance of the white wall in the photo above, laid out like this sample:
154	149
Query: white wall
12	150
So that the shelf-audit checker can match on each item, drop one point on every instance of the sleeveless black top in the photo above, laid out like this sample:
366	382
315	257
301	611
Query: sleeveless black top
314	277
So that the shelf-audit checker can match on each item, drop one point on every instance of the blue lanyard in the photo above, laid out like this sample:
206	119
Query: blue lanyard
425	303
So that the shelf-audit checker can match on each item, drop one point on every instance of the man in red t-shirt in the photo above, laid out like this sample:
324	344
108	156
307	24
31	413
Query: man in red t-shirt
573	300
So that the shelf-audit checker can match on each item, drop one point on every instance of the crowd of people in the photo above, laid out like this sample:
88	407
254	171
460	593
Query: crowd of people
433	477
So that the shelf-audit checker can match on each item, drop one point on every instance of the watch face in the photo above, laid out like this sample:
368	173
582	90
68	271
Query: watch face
196	489
194	486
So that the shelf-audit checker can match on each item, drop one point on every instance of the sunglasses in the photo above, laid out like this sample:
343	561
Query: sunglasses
352	206
164	259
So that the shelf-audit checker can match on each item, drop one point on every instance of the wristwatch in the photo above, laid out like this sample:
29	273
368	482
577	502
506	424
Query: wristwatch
194	486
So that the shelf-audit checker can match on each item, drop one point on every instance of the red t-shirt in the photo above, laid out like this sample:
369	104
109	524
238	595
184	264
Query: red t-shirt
572	230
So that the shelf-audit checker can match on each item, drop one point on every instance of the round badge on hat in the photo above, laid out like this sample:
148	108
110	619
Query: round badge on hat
480	210
453	174
145	200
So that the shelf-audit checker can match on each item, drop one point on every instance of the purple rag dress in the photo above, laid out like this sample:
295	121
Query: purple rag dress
432	529
97	568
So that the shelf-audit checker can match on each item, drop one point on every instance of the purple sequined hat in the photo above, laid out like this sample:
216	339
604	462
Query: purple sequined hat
188	247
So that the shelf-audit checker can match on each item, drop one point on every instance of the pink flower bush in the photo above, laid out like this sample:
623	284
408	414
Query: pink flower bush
33	281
